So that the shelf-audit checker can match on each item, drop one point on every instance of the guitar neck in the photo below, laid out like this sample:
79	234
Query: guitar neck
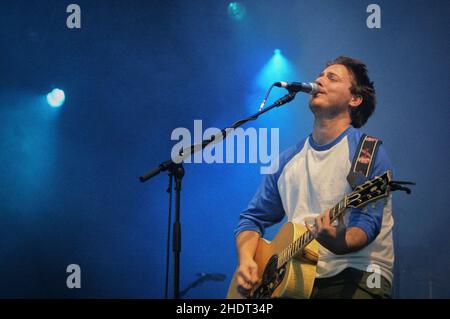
298	245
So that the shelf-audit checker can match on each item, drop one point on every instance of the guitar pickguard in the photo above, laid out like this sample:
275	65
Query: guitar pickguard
272	277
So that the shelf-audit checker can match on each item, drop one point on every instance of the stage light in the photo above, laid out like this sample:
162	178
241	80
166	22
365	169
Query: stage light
236	10
277	68
56	98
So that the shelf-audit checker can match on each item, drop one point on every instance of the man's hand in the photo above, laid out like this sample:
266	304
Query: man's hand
247	276
247	272
339	240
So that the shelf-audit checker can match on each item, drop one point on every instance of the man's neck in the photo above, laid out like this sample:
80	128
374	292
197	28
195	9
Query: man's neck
326	130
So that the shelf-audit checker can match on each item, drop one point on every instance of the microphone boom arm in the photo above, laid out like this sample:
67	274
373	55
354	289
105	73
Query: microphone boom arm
194	148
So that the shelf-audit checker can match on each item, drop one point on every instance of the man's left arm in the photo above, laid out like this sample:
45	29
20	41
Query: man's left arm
338	240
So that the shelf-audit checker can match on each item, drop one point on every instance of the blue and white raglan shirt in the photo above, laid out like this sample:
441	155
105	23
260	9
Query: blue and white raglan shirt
310	179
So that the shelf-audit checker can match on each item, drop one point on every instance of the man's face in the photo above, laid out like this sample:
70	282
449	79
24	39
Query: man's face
334	97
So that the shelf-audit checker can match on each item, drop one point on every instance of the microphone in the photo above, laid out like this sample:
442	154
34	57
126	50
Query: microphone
311	88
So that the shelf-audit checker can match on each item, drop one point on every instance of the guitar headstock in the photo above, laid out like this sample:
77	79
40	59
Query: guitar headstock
370	191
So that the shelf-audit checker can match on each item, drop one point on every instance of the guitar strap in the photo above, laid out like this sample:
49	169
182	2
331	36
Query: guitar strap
363	160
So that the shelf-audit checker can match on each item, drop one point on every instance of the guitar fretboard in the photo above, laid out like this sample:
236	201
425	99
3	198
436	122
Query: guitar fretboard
299	244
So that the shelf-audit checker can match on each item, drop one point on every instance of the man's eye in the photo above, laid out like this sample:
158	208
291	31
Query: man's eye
332	77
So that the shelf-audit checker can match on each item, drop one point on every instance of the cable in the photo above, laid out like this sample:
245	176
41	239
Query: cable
265	98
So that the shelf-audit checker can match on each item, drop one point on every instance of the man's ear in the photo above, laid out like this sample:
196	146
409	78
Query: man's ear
356	101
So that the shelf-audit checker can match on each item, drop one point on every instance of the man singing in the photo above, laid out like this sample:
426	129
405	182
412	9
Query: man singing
312	177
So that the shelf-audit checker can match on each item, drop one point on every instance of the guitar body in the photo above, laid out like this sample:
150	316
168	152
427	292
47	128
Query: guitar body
299	273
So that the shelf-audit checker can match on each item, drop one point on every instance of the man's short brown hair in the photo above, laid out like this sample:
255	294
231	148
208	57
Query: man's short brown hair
362	86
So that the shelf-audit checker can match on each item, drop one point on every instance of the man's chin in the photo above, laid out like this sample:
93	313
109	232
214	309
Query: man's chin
313	105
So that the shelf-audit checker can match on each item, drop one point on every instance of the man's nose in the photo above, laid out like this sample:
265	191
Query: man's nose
319	81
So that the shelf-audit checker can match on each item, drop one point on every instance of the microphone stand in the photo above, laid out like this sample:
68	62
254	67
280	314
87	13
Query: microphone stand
175	168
